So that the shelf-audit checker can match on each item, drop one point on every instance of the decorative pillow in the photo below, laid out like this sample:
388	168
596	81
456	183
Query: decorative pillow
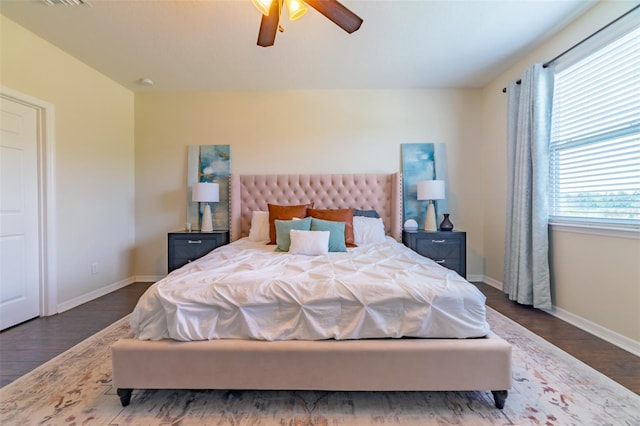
259	226
309	243
283	229
368	230
336	229
277	212
337	215
366	213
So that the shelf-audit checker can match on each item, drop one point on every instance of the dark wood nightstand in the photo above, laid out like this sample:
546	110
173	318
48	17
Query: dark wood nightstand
185	247
448	248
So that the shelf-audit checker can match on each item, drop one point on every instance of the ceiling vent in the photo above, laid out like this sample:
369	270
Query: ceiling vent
65	2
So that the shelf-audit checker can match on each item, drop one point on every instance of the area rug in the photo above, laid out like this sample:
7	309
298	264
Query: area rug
550	388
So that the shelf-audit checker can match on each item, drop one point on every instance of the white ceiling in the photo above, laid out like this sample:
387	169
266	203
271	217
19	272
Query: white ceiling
211	44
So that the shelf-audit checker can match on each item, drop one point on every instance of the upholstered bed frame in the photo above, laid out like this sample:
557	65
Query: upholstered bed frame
356	365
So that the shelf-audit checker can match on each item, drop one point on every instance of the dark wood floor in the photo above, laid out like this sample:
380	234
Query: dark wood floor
26	346
616	363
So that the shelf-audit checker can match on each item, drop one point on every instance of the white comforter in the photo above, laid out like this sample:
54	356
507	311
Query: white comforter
245	290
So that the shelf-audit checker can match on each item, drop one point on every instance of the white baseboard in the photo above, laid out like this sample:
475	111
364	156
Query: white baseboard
148	278
610	336
88	297
474	278
597	330
106	290
493	283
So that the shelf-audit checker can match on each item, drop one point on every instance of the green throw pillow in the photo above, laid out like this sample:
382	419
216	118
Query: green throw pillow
284	227
336	233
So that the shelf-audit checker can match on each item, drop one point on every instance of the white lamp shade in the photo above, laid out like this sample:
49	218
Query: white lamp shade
431	190
205	192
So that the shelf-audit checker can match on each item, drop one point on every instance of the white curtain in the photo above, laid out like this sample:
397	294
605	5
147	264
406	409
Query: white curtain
526	265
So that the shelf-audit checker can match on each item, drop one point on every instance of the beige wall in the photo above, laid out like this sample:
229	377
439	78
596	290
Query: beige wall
596	278
299	132
290	132
94	159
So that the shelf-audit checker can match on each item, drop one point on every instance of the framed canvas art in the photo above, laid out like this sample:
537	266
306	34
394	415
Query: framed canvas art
421	161
209	163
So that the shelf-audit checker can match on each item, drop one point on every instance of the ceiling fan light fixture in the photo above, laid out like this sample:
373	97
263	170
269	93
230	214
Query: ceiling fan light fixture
296	9
263	6
333	10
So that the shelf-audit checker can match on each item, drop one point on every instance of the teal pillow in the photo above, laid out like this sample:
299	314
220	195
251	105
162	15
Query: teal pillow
284	227
336	232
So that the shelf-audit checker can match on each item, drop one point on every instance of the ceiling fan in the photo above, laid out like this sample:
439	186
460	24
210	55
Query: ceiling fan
331	9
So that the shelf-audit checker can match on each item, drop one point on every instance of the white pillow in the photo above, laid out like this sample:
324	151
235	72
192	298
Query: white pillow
310	243
367	230
259	226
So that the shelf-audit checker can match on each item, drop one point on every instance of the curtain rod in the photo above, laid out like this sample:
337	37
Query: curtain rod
551	61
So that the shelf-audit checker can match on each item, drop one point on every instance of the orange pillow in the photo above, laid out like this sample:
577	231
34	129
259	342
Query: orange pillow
337	215
277	212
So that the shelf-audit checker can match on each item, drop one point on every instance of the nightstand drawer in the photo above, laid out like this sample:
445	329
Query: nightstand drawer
438	247
447	248
451	263
185	247
193	248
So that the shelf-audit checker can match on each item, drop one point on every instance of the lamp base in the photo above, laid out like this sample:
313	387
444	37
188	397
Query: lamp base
207	224
430	221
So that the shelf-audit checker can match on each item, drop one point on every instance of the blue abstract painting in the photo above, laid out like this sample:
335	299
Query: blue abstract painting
421	161
209	163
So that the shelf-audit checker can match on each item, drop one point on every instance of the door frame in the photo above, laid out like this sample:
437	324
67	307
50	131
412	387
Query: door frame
45	116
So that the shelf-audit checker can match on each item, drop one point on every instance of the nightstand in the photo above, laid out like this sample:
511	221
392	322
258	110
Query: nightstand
185	247
448	248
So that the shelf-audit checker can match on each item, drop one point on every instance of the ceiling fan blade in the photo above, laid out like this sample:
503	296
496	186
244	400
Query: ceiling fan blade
338	13
269	26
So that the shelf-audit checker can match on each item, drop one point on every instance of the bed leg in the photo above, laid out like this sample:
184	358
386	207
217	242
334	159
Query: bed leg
500	397
125	396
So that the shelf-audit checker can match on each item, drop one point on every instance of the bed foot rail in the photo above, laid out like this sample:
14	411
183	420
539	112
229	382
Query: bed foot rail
125	396
500	397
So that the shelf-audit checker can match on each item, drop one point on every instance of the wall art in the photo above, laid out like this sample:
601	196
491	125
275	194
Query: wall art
209	163
421	161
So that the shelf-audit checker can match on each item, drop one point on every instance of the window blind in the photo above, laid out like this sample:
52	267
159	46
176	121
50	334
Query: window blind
595	136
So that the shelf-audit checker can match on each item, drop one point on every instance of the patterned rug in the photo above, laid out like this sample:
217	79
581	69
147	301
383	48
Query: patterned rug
549	388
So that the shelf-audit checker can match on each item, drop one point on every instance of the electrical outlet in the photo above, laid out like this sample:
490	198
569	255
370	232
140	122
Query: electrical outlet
94	268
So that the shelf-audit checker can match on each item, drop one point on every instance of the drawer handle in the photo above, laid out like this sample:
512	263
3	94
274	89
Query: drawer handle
195	241
438	241
439	260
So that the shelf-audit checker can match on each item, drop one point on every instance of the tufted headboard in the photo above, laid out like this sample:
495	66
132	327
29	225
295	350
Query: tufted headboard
380	192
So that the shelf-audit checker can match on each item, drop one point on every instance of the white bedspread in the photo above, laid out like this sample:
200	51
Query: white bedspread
246	290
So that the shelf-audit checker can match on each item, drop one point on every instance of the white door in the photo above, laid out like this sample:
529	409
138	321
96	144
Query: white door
19	244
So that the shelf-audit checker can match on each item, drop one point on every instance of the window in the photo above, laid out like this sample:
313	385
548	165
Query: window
595	136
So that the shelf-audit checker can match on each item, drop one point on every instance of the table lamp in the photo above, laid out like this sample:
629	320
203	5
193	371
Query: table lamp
205	192
430	190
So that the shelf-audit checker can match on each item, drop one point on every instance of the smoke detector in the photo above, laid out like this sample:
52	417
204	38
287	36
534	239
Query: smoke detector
144	81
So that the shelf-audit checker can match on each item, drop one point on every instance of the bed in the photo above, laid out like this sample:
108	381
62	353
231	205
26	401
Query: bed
360	357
